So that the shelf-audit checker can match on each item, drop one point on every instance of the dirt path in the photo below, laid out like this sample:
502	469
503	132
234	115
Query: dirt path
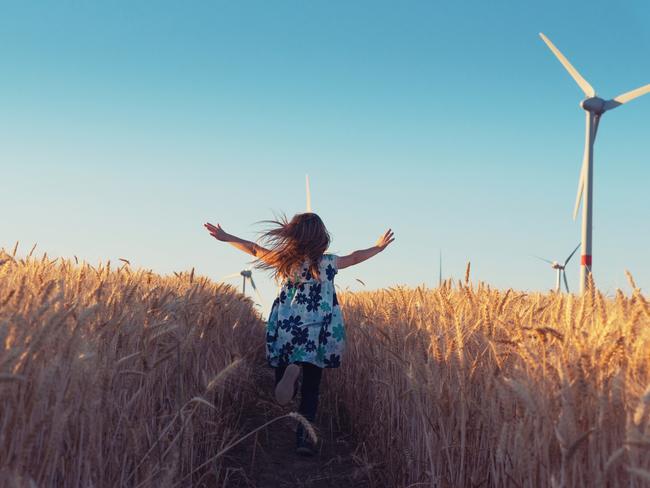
268	460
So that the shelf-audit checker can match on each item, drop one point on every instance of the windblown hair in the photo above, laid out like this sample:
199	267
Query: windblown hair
292	243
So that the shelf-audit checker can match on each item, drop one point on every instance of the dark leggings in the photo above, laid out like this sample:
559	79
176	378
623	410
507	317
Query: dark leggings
309	388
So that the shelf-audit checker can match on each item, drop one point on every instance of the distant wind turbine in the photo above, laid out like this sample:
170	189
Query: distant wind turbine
246	274
594	107
561	271
308	193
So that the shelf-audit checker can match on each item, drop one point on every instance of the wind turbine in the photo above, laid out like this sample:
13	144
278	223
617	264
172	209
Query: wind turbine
594	107
561	271
308	193
246	274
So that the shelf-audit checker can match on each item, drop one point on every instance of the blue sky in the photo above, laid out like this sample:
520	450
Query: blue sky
124	127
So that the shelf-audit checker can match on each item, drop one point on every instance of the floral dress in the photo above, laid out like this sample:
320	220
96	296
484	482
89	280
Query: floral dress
305	323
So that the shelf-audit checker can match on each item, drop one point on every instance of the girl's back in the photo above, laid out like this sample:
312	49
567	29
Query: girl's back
305	323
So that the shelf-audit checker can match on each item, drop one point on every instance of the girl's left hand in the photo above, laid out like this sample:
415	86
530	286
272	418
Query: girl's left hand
383	242
217	232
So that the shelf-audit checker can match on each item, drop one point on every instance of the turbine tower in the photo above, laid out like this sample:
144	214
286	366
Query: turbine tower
561	270
594	107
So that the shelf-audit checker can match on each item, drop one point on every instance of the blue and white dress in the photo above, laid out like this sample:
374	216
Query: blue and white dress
305	323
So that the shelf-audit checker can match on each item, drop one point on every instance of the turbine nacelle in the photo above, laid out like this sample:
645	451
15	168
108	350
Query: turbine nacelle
595	105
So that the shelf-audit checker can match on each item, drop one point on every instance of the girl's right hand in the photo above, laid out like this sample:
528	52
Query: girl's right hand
385	240
217	232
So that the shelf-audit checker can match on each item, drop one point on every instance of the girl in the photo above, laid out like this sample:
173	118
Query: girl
305	327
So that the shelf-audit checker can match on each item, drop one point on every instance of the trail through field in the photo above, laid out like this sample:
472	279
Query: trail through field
269	460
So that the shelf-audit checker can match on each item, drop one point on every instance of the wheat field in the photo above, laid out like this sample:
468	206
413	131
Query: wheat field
112	377
120	377
472	386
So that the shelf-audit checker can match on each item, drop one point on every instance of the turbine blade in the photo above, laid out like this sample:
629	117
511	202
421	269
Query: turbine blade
252	283
626	97
258	294
545	260
582	83
589	124
308	193
230	276
581	183
571	255
566	282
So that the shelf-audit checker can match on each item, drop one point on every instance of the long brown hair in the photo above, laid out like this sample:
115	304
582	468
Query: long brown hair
291	243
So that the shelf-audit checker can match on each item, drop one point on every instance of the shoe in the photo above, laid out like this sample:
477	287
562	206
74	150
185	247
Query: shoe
305	449
304	446
286	387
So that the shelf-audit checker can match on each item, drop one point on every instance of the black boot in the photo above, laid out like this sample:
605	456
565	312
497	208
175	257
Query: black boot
304	445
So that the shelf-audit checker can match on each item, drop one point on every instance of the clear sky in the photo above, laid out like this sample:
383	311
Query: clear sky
126	125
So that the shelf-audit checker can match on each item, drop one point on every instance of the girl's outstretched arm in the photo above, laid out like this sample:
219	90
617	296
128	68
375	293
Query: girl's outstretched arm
359	256
248	247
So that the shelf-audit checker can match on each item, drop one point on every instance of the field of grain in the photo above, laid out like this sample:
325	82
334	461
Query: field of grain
472	386
119	377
